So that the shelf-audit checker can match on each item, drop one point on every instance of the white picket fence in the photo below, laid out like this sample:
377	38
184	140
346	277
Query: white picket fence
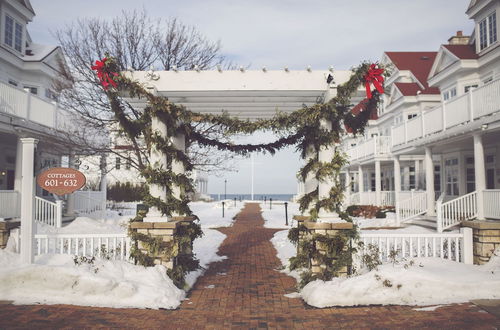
107	246
10	204
452	246
48	212
90	203
412	206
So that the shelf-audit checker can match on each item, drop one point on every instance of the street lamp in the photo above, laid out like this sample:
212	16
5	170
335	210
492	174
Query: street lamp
225	189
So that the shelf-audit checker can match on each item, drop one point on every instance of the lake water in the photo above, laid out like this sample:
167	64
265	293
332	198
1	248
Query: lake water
256	197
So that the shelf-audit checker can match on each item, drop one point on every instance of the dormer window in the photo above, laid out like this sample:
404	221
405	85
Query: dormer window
488	31
13	35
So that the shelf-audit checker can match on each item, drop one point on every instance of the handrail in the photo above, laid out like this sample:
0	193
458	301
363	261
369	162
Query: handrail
48	212
453	212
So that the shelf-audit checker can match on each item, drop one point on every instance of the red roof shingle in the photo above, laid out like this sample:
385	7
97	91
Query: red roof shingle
411	89
463	52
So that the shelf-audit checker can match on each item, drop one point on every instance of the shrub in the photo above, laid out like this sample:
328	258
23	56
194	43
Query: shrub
380	214
126	192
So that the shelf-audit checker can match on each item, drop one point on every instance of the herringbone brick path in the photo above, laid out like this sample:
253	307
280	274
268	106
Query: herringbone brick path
246	291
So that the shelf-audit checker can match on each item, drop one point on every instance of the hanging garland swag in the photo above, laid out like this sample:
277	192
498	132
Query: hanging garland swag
302	130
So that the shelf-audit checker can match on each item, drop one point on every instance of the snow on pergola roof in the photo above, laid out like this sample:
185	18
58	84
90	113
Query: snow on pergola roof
244	93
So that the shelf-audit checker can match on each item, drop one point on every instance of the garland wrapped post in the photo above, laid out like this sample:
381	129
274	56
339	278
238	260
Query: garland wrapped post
316	131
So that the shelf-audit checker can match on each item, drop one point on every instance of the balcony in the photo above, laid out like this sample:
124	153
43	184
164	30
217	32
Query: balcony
475	104
375	146
22	104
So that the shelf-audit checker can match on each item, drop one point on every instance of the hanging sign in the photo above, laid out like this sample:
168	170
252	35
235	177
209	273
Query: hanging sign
61	180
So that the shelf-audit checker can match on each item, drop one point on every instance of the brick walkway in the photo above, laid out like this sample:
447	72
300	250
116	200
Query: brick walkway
245	291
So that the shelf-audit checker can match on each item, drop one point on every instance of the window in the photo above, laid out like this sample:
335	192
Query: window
412	115
469	87
118	162
451	176
449	94
13	82
437	178
488	31
128	163
31	89
13	34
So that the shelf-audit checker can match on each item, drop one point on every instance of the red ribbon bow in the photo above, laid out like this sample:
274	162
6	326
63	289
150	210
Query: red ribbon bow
374	76
104	77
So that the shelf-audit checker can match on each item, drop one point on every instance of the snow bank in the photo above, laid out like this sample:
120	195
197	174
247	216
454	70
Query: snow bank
275	217
285	250
428	282
55	279
205	249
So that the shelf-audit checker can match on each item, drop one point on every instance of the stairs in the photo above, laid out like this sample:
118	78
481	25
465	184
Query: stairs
425	221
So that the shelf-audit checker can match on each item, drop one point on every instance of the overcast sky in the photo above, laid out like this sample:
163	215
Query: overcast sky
293	33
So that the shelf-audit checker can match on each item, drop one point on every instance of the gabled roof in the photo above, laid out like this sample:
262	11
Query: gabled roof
419	63
463	52
412	89
361	106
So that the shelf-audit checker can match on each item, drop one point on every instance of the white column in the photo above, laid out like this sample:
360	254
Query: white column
397	175
28	228
406	177
179	143
158	160
361	184
480	174
429	181
347	187
378	187
19	161
70	206
417	174
325	155
310	183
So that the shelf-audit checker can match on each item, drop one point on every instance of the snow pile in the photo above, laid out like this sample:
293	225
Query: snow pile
389	221
275	217
55	279
205	249
210	214
285	250
427	282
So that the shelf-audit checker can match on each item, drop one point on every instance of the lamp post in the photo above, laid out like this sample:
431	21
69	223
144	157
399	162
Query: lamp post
225	189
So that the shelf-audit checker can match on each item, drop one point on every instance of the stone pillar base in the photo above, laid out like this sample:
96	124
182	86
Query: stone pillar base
328	229
486	238
167	231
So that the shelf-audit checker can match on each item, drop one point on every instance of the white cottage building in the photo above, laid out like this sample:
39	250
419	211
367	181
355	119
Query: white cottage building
434	148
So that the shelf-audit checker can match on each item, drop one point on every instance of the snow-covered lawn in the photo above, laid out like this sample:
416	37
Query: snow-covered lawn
422	281
274	217
56	279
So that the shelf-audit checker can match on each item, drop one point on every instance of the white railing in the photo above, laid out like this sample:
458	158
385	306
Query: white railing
47	212
387	198
23	104
452	246
106	246
453	212
411	207
90	202
477	103
355	199
10	204
368	198
377	145
491	203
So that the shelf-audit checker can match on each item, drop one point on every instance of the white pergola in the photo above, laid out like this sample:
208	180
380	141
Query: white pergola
247	94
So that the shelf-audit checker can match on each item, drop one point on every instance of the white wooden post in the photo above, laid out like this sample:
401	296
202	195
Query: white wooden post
479	173
179	142
28	228
439	209
59	213
429	181
325	155
378	184
361	184
397	186
310	183
158	160
468	248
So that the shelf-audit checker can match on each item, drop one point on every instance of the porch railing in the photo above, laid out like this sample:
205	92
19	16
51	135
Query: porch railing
491	203
453	212
90	202
107	246
412	206
452	246
48	212
377	145
10	204
477	103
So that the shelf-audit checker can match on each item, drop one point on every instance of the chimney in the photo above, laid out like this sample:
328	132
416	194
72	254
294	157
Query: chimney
459	39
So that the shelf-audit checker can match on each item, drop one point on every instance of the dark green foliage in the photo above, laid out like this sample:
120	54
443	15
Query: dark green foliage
351	209
126	192
380	214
